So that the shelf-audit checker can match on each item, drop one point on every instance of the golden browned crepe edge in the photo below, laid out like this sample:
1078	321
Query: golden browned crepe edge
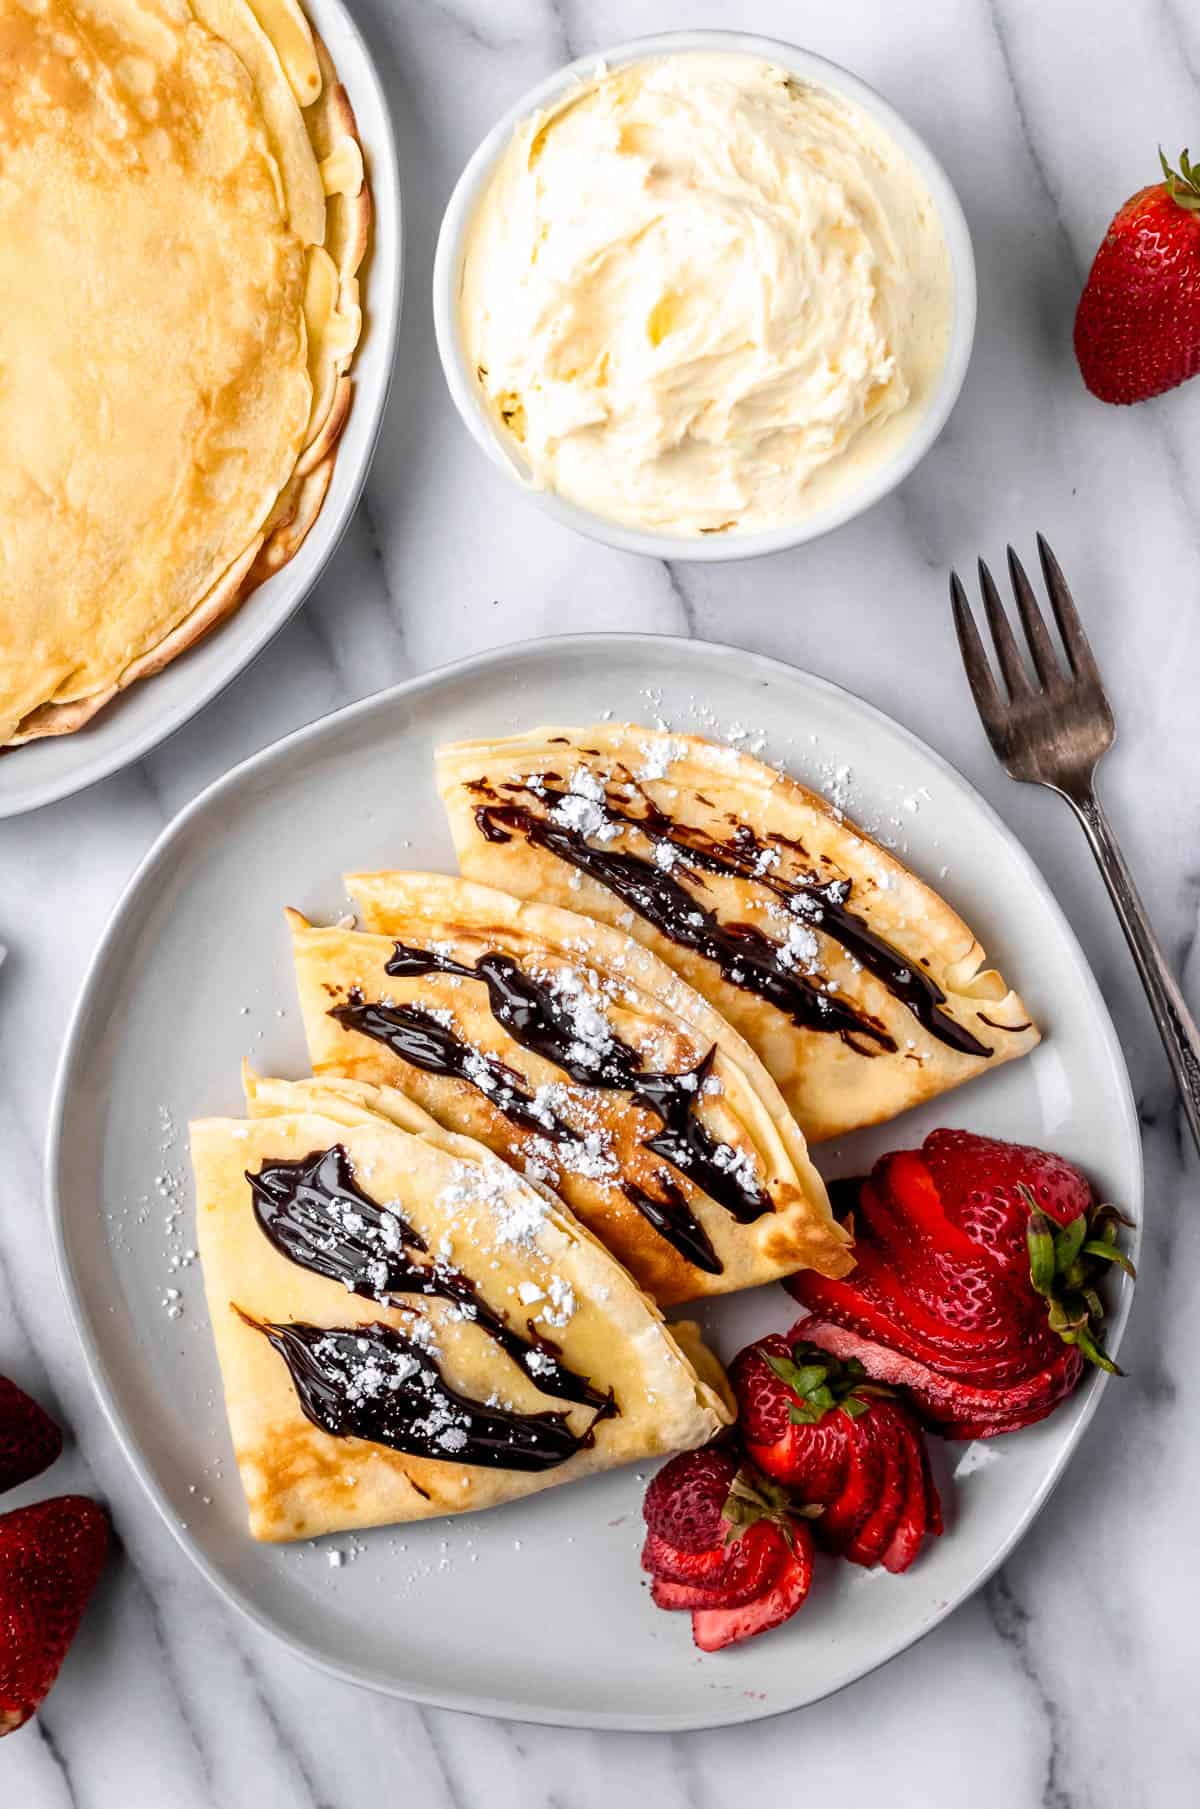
678	1356
300	502
968	977
802	1231
333	1095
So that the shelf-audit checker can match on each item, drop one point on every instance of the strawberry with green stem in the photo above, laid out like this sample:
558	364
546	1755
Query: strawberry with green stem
825	1430
1137	327
725	1544
976	1287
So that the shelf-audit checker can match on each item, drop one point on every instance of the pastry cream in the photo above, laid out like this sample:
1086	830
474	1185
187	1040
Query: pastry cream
703	296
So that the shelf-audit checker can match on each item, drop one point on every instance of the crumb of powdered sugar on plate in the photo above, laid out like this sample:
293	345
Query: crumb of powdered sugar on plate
978	1456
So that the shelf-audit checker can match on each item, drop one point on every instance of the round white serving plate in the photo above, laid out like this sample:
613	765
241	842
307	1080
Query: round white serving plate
881	476
139	718
538	1610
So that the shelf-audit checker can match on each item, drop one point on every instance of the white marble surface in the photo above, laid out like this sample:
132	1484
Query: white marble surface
1070	1683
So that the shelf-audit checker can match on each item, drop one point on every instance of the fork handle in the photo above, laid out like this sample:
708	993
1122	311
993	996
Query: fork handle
1176	1025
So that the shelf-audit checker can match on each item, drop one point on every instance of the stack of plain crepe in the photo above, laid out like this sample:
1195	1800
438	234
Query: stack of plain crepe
182	216
694	964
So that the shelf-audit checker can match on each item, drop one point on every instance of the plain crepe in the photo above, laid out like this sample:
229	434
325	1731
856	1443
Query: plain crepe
182	215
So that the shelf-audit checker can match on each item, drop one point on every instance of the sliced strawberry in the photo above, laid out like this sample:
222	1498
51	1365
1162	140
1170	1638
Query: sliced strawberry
819	1470
980	1181
757	1560
675	1566
734	1573
858	1500
978	1262
877	1304
674	1597
810	1457
883	1427
713	1628
953	1279
934	1520
914	1521
943	1403
733	1531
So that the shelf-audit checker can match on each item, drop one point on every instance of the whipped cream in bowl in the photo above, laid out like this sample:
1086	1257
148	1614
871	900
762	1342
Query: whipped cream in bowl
704	296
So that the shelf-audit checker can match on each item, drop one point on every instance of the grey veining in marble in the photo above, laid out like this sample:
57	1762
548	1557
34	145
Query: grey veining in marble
1070	1682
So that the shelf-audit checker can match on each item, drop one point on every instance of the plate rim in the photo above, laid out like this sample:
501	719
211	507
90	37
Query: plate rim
385	154
722	1712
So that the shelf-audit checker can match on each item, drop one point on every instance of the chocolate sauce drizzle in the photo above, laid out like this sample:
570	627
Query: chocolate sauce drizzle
371	1382
745	956
413	1035
417	1037
314	1212
670	1215
543	1023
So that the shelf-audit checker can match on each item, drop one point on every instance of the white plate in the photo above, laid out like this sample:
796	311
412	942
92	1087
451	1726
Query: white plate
537	1610
151	710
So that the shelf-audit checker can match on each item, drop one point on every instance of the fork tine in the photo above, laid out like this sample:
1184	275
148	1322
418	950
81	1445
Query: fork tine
1034	623
1079	653
979	673
1007	651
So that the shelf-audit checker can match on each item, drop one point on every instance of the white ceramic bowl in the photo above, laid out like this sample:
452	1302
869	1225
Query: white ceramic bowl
149	711
880	478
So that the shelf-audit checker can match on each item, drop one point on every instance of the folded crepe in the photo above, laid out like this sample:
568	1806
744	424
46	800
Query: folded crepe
860	989
577	1056
407	1328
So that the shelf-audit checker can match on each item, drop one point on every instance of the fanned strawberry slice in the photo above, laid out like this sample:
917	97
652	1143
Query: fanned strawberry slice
756	1562
975	1281
675	1566
714	1628
980	1182
859	1497
874	1535
821	1428
955	1409
875	1304
769	1435
722	1539
681	1598
914	1520
740	1569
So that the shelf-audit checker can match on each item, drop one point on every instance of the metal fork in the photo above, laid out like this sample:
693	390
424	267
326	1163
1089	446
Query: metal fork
1055	733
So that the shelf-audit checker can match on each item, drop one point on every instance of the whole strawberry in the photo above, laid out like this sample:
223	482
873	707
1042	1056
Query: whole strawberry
725	1545
51	1556
820	1427
1137	329
29	1439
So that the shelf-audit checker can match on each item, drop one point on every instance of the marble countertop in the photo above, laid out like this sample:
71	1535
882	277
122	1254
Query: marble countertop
1069	1683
